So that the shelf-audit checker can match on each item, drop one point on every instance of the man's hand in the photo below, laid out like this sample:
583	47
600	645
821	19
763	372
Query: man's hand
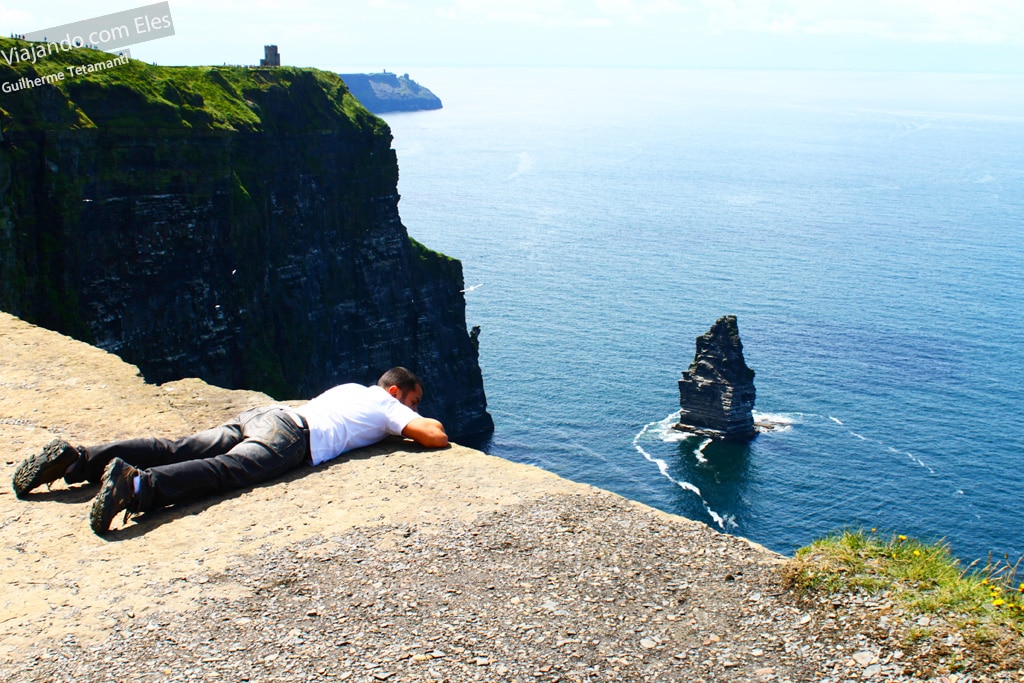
426	432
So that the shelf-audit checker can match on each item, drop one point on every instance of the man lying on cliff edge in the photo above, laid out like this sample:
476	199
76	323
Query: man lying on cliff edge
138	475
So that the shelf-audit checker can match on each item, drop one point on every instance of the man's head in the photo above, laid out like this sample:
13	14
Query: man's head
403	385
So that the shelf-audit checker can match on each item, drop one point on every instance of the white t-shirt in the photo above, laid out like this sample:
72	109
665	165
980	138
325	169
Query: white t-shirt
351	416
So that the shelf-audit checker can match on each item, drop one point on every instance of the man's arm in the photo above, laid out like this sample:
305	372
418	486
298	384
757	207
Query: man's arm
426	432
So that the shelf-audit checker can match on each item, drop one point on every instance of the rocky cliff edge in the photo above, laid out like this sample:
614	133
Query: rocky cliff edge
396	563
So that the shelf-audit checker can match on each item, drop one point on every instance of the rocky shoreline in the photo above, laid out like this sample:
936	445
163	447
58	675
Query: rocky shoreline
396	564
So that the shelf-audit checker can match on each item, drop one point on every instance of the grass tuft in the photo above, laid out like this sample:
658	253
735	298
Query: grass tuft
924	578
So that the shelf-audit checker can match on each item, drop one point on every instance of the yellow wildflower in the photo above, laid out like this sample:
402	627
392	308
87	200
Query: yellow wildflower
917	552
902	537
999	601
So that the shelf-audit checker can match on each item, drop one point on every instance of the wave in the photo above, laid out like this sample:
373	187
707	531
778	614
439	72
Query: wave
776	422
916	460
701	458
663	431
524	166
890	449
776	418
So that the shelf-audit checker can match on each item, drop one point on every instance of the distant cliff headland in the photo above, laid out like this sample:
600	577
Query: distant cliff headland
387	92
236	224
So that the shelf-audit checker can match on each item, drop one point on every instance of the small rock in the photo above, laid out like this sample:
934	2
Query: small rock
864	658
872	671
648	643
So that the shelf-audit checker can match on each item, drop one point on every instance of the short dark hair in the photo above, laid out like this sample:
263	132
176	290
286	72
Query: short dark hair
399	377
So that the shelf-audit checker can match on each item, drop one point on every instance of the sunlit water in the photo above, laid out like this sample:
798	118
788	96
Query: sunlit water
866	229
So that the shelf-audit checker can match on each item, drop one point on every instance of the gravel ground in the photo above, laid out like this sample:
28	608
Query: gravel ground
568	587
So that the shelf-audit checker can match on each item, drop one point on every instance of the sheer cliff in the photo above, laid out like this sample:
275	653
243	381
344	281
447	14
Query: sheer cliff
235	224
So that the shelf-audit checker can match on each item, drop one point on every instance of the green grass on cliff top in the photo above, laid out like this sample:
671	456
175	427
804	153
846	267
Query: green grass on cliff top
142	95
922	578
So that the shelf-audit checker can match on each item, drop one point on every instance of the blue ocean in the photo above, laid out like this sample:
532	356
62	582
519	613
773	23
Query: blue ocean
867	230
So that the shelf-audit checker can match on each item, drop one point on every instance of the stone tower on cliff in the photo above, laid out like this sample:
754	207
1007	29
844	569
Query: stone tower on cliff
716	393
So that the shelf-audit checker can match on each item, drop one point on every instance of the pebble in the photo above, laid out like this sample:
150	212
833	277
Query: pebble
864	658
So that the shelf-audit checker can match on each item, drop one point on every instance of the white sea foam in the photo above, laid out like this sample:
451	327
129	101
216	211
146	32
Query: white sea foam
836	420
890	449
658	431
524	166
777	422
699	452
675	435
919	461
775	418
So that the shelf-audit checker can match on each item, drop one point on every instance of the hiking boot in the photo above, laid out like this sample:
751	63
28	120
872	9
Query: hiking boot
44	468
117	493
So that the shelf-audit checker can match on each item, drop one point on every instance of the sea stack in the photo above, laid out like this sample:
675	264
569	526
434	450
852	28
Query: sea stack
716	393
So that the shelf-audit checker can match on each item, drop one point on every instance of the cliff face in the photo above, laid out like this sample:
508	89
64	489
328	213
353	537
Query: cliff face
387	92
238	225
716	393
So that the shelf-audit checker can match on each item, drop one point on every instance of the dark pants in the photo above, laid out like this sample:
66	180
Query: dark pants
258	445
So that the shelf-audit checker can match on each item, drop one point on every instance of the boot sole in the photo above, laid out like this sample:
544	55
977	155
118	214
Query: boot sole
45	467
105	505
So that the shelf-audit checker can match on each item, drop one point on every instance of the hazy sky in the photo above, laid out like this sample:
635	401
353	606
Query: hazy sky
938	35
